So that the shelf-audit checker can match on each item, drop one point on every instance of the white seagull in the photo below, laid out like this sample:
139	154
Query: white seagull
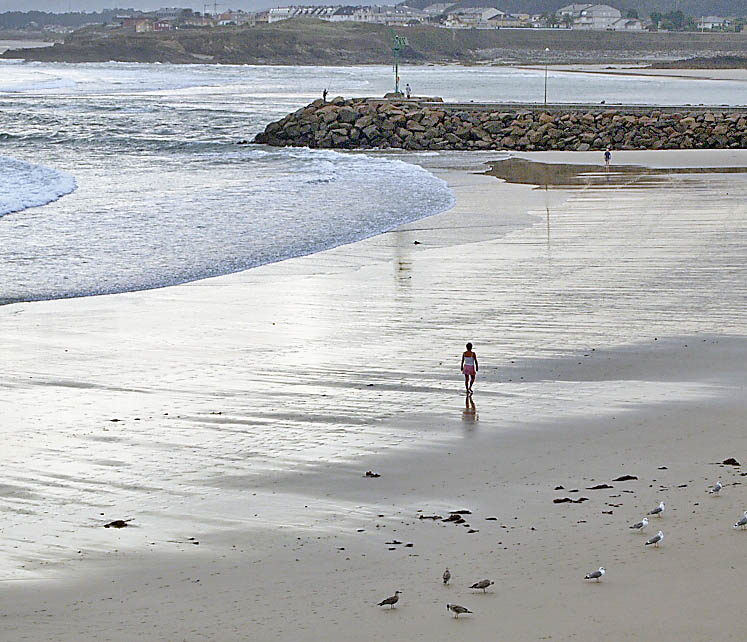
742	522
716	488
482	584
391	601
457	610
596	575
447	576
656	539
658	510
639	526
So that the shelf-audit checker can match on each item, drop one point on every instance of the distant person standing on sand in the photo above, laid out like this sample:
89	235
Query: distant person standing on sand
469	368
607	157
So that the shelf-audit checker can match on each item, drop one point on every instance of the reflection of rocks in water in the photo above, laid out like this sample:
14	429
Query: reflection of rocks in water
526	172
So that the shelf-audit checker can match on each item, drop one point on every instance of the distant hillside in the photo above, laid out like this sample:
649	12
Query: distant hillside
22	19
313	42
644	7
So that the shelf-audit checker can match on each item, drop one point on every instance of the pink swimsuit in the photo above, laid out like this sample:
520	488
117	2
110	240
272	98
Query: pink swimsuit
469	366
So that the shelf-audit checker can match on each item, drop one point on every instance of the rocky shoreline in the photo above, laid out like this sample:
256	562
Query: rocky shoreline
364	123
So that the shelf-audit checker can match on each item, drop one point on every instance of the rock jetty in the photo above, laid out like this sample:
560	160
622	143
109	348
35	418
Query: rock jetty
365	123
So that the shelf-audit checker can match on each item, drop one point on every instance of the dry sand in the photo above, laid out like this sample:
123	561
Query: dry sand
609	323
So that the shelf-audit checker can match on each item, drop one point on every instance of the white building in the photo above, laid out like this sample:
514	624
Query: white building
598	16
285	13
713	22
277	14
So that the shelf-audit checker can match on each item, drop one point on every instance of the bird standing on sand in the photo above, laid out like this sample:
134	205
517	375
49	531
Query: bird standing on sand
596	575
482	584
656	539
716	488
447	576
640	525
391	601
457	610
658	510
742	522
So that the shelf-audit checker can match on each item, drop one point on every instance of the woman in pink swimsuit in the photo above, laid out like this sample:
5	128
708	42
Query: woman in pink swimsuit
469	368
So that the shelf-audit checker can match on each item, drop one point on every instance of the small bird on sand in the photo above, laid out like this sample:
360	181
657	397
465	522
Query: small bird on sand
658	510
482	584
742	522
457	610
391	601
596	575
639	526
716	488
447	576
656	539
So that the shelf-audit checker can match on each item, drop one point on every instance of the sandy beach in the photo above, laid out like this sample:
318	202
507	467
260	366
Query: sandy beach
633	70
233	419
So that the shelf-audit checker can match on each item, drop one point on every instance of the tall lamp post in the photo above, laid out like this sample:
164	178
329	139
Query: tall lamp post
399	43
547	51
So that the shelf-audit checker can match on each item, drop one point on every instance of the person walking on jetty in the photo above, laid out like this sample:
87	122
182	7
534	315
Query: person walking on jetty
408	91
469	368
607	157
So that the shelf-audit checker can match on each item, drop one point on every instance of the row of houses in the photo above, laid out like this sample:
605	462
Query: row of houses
171	19
599	17
576	16
448	15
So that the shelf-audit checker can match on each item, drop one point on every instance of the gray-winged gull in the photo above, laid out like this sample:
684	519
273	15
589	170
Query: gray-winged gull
742	522
658	510
391	601
482	584
656	539
457	610
596	575
716	488
639	526
447	576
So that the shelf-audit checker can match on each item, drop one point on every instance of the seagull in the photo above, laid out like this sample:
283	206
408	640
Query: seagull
457	610
716	488
596	575
391	601
640	525
447	576
658	510
482	584
656	539
742	522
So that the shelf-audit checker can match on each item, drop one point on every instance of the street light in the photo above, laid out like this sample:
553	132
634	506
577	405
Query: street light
547	51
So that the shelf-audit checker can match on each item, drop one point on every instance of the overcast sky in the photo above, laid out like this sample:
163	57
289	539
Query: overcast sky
60	6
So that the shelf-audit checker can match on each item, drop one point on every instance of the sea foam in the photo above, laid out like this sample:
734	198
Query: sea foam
24	185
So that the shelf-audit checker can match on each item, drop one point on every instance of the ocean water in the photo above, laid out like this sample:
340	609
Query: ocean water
117	177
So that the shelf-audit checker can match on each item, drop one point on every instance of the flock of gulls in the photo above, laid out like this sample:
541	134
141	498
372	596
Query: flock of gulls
597	575
456	609
659	537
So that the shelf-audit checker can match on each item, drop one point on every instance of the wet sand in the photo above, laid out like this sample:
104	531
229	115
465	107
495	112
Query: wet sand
610	330
630	70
